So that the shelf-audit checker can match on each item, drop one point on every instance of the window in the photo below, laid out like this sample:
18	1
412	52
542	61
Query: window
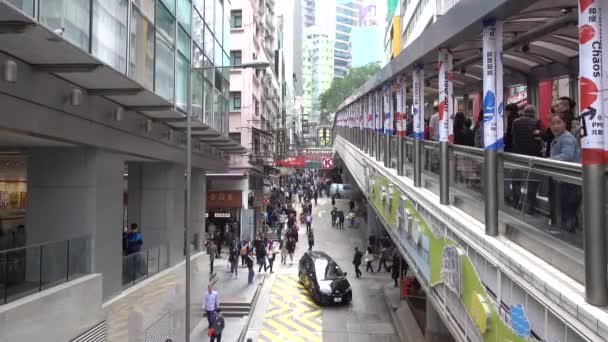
256	106
184	13
236	57
235	100
236	18
73	15
110	32
164	83
142	50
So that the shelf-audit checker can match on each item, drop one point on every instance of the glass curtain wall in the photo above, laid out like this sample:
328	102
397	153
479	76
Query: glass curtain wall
151	42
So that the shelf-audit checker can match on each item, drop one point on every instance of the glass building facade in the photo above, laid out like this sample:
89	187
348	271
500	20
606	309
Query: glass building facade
153	42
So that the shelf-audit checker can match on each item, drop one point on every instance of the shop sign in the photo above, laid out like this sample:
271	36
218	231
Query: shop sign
221	215
450	268
479	312
298	161
224	199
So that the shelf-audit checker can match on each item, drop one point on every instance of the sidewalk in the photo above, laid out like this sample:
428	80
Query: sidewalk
232	292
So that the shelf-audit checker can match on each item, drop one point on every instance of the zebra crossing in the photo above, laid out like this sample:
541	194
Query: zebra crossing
291	315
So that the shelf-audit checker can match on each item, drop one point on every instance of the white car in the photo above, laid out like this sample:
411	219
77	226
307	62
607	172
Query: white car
343	190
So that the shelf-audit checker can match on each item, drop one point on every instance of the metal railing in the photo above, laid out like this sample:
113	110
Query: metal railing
31	269
534	196
141	265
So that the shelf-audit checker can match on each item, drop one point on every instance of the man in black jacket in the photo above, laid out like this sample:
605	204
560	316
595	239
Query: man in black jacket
526	139
357	261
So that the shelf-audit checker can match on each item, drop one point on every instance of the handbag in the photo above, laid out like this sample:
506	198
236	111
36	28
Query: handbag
210	332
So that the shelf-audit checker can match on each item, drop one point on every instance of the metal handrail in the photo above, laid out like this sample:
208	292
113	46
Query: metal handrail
42	244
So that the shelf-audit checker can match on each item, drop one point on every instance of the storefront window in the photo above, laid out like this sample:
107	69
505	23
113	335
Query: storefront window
184	13
182	82
164	71
198	29
110	32
209	43
142	50
146	7
183	44
27	6
71	15
197	94
170	5
165	24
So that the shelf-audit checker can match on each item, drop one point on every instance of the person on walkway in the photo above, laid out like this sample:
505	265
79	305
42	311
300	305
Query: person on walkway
315	196
341	219
434	124
396	266
283	247
211	302
333	199
261	254
564	147
243	250
218	244
311	240
249	261
291	247
308	220
385	254
357	262
271	257
218	327
351	206
234	262
211	250
334	216
369	258
134	240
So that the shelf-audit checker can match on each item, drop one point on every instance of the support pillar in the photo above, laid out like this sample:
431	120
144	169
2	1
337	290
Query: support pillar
159	188
73	192
198	205
400	155
444	173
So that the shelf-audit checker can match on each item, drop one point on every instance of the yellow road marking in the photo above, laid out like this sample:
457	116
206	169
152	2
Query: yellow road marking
271	336
284	331
288	297
299	328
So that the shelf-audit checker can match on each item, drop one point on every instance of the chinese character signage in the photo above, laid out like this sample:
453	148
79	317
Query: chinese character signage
224	199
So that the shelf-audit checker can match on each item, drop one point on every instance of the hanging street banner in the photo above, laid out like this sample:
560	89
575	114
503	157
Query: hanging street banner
446	101
388	129
418	100
590	82
500	93
370	114
489	84
378	111
398	89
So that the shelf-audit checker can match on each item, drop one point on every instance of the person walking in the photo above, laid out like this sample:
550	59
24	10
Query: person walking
218	327
308	220
357	262
385	253
396	266
291	247
234	261
244	248
315	196
311	240
341	219
261	254
369	258
211	250
211	303
334	216
271	257
283	247
249	261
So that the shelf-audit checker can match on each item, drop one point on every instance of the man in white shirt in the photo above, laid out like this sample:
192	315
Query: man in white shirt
211	302
434	124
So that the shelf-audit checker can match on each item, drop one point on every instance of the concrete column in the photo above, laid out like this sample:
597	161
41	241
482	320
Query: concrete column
157	204
198	200
76	192
436	331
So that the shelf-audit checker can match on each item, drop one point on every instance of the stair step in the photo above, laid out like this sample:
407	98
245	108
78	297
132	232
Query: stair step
234	308
226	304
235	314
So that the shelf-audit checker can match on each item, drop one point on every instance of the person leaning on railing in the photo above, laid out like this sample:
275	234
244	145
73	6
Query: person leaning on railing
565	147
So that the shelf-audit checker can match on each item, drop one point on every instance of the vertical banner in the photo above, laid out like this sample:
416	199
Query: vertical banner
377	121
386	109
418	101
500	91
590	82
399	86
446	106
489	84
360	114
370	115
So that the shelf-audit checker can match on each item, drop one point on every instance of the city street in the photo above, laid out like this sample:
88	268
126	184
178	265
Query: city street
286	313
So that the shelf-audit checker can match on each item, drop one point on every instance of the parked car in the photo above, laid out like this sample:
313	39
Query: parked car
324	279
341	190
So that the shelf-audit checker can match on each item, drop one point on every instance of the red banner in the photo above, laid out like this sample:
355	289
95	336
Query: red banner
298	161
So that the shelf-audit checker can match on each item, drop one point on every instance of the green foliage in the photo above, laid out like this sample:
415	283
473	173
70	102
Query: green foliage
341	88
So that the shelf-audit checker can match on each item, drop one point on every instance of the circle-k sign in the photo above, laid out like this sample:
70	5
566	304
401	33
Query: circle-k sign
327	163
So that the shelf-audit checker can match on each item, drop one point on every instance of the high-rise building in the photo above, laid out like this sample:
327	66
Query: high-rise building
318	72
347	17
308	12
417	15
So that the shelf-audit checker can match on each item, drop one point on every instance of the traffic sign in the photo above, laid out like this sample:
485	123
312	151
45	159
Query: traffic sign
327	163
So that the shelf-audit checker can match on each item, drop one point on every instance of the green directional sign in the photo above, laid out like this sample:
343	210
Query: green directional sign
312	165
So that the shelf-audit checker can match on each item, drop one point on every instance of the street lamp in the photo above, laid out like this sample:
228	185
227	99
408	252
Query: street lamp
256	64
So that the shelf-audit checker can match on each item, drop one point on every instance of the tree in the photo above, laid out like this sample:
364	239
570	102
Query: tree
341	88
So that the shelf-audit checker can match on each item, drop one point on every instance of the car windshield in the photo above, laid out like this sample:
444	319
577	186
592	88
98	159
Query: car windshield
328	270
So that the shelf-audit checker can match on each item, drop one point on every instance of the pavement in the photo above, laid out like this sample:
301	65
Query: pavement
285	313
